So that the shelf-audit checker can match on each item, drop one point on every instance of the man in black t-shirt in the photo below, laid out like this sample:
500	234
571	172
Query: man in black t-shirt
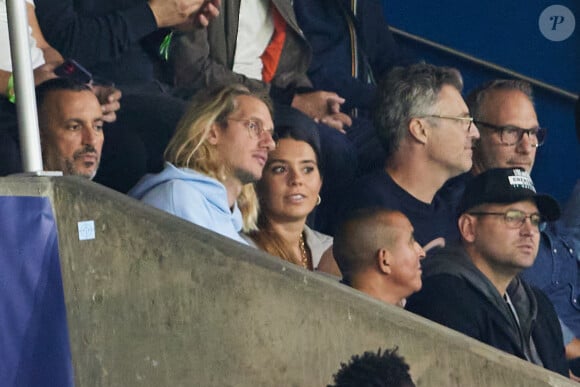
427	132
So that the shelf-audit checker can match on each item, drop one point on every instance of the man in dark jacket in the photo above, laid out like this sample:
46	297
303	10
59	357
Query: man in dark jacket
474	288
511	136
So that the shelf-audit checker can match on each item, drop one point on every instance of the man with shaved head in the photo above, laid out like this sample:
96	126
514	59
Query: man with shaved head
377	254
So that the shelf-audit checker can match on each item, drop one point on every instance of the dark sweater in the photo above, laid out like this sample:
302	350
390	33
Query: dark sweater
456	294
430	220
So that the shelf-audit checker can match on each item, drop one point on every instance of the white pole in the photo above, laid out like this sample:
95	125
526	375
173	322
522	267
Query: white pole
24	86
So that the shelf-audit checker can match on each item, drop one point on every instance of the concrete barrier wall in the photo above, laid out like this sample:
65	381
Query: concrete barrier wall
157	301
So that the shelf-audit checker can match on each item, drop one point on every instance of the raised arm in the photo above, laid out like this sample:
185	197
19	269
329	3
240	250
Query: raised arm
93	31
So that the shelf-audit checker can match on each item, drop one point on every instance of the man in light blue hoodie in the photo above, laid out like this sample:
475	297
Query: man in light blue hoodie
219	148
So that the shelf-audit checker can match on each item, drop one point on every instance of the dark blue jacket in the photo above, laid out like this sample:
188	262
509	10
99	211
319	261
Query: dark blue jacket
325	24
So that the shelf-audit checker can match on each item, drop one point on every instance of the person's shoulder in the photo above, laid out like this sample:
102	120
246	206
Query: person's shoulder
173	195
559	231
448	282
453	189
444	298
177	179
451	301
375	175
542	301
178	186
442	288
318	238
377	183
448	274
174	184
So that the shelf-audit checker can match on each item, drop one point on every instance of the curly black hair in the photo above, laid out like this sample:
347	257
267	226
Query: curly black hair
386	369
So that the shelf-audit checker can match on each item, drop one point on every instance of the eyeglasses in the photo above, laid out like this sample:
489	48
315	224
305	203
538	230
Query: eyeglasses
469	120
513	135
516	218
255	127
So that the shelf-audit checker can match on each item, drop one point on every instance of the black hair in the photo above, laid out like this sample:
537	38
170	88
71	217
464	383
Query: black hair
407	92
57	84
291	123
386	369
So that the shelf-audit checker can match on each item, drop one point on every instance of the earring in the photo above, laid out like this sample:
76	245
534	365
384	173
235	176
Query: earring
319	200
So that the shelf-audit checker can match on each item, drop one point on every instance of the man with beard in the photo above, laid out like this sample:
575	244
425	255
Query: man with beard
510	135
474	287
71	127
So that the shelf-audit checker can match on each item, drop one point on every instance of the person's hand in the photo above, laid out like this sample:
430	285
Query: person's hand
334	102
317	104
44	73
108	97
169	13
338	121
201	19
209	11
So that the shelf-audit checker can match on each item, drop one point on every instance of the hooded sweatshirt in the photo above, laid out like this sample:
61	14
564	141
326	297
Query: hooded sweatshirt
192	196
456	294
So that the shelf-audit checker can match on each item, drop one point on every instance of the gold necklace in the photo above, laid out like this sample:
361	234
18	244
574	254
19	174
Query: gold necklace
304	254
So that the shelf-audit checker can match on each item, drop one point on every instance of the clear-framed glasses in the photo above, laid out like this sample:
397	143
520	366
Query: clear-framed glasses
516	218
513	135
468	120
255	127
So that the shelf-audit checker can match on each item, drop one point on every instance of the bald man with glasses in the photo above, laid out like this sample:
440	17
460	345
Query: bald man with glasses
474	287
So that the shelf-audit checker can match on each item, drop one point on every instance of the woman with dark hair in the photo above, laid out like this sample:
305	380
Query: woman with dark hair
288	192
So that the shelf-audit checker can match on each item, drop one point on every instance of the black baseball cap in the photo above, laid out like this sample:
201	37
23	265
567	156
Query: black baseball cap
506	185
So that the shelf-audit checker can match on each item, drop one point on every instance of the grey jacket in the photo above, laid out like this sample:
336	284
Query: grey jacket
205	57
